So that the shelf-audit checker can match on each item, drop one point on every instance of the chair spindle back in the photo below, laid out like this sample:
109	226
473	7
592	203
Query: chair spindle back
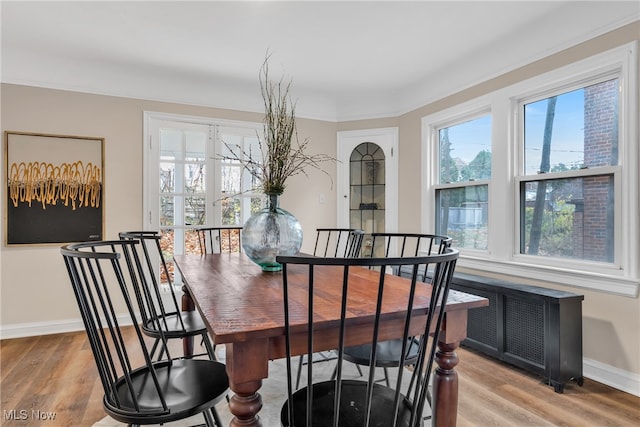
214	240
338	242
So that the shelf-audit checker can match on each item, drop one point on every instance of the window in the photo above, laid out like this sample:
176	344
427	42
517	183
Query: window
567	203
187	185
237	198
464	154
183	187
553	194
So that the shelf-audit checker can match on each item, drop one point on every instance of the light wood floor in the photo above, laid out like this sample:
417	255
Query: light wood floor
56	373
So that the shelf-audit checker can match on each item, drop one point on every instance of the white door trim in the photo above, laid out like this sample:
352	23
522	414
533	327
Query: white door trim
387	139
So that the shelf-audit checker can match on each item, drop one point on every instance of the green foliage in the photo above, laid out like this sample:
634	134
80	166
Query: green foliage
480	167
557	230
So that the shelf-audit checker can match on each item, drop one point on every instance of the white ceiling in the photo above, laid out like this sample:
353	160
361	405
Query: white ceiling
347	60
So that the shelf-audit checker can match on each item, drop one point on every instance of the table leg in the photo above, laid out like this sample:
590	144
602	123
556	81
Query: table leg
245	404
187	305
445	386
444	405
247	364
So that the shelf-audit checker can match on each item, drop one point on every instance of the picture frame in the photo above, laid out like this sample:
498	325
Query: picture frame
54	186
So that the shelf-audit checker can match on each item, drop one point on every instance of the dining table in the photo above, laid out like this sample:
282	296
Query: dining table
242	307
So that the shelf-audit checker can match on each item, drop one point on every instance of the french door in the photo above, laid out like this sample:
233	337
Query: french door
188	183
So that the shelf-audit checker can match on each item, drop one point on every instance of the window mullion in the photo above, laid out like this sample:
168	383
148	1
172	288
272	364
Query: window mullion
471	183
603	170
213	169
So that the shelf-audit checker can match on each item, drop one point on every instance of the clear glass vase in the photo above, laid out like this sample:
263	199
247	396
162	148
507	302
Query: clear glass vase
271	232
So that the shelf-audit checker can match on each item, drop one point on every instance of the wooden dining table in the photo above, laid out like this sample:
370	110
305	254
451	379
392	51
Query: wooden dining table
242	307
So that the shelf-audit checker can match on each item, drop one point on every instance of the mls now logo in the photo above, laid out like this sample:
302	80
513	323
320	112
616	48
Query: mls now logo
23	414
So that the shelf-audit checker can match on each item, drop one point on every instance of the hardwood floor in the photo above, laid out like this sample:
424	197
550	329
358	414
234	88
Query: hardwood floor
56	374
50	374
493	393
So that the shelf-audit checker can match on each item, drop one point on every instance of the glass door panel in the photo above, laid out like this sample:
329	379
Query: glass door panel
367	191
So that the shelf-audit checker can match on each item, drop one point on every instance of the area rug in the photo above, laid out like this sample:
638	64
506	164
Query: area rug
273	392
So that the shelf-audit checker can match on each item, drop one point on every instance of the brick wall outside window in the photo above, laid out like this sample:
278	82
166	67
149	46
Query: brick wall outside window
600	149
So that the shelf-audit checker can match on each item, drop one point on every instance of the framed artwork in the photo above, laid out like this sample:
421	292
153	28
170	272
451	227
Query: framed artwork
54	188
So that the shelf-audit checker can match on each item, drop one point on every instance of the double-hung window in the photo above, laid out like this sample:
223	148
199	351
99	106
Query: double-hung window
464	173
569	172
540	178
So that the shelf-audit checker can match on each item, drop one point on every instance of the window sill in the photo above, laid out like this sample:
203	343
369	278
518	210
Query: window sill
623	286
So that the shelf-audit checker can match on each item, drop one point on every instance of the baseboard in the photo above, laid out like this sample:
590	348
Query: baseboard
622	380
626	381
22	330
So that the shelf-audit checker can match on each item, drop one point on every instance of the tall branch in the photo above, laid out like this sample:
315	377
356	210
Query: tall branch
283	154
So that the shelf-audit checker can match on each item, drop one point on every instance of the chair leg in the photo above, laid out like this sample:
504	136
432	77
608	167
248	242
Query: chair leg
299	372
411	382
211	418
386	377
216	416
210	349
163	349
335	371
154	348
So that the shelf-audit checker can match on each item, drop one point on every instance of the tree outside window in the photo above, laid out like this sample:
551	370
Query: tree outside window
464	168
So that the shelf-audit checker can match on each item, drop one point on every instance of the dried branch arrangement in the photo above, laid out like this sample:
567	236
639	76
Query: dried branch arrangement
283	155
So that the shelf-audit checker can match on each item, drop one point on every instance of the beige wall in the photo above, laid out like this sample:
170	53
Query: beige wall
33	281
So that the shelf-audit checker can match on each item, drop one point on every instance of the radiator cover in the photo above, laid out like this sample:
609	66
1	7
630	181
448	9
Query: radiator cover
534	328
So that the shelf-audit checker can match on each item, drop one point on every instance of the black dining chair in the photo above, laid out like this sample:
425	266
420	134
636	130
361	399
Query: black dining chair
173	323
213	240
109	284
350	402
398	245
333	242
338	242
